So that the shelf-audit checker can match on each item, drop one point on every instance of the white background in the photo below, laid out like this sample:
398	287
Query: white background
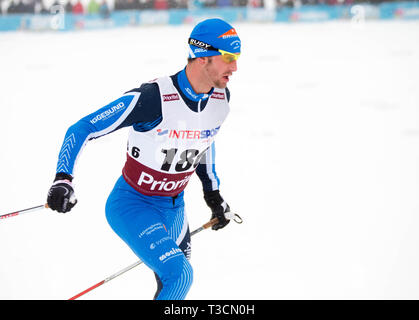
319	156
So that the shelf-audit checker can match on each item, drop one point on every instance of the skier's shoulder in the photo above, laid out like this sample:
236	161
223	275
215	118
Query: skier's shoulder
148	90
148	106
149	95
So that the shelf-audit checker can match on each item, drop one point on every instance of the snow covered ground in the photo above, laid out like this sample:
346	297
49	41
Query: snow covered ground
319	156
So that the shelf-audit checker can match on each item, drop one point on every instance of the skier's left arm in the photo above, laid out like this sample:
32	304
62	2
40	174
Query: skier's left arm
211	185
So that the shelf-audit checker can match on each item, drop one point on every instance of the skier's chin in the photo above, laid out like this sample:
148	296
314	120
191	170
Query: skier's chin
220	84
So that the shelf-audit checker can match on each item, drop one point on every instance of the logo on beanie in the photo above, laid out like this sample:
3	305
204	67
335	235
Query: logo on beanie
229	34
198	43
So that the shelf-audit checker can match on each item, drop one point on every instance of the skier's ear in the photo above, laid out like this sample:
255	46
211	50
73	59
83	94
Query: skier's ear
202	60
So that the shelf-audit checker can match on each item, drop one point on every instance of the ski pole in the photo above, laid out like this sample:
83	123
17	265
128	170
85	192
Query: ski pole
207	225
16	213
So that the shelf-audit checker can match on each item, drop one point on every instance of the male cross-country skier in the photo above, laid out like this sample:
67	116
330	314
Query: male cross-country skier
173	122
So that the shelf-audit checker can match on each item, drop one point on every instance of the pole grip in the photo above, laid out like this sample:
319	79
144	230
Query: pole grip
210	223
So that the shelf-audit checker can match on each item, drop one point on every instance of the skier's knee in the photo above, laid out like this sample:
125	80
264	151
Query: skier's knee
176	282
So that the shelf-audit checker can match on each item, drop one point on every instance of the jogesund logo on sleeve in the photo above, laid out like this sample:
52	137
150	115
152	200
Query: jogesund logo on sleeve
108	113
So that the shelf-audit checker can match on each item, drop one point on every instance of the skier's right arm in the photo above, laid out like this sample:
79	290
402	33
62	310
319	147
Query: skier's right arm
134	107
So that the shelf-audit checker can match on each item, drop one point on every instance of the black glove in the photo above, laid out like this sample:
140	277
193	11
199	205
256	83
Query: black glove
61	194
218	207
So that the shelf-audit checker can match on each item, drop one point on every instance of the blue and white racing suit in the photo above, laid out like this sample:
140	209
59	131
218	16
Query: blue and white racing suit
172	130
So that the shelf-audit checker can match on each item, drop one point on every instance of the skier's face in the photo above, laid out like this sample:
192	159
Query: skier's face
219	71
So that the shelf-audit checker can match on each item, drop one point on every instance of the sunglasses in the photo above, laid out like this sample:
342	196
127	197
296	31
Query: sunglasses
227	57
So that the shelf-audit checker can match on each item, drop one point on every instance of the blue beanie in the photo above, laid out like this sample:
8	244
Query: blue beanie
213	33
